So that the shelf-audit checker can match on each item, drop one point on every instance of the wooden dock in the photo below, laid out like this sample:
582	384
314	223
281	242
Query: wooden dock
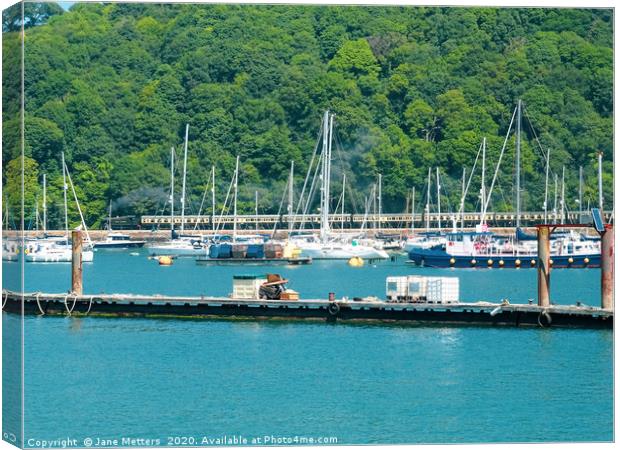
365	310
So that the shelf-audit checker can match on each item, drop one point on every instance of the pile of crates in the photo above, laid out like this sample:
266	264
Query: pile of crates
419	289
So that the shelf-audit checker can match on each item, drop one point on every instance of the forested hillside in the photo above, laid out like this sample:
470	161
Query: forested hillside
113	85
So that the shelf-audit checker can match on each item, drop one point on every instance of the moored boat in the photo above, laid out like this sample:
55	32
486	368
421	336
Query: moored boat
480	250
119	241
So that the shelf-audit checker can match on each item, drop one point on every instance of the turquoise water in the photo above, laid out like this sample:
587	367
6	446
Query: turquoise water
194	381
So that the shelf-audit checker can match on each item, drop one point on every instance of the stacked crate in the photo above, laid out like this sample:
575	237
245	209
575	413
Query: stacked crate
415	288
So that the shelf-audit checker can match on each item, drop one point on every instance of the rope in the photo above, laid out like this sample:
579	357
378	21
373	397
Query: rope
6	297
90	304
37	295
69	311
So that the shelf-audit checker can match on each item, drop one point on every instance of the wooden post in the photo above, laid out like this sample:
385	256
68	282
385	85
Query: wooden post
607	268
544	268
76	262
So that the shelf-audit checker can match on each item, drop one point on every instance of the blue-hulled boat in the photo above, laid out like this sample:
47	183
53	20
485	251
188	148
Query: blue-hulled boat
484	249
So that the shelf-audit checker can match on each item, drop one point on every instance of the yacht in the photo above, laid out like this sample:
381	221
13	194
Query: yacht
118	240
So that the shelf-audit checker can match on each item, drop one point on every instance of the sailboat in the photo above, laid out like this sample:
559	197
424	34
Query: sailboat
328	245
58	249
178	245
426	239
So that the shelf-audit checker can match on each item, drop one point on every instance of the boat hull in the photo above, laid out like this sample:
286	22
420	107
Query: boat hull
348	252
57	256
175	251
119	245
444	260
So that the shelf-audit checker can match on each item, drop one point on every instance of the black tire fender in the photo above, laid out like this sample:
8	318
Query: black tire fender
333	308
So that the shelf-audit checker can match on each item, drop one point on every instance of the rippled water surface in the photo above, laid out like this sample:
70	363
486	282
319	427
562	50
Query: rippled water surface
145	378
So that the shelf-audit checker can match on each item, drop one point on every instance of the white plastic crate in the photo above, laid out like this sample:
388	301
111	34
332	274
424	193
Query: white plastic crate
396	288
246	286
442	290
416	287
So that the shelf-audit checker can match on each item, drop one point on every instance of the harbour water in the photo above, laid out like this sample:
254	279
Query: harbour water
158	379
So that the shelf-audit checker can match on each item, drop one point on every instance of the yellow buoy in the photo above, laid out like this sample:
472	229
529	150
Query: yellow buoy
586	260
517	262
501	263
165	261
533	262
473	262
570	260
356	261
452	261
490	262
550	262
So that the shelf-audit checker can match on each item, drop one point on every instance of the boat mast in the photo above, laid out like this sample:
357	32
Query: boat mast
555	198
438	200
562	199
518	158
413	209
463	200
289	207
256	208
428	201
184	179
379	200
110	217
172	188
213	199
483	193
64	191
344	182
235	202
44	204
580	194
547	183
600	181
325	178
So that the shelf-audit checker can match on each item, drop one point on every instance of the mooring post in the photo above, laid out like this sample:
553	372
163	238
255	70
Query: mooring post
544	268
607	268
76	262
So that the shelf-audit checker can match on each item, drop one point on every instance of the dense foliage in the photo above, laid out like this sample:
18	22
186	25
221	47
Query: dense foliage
113	85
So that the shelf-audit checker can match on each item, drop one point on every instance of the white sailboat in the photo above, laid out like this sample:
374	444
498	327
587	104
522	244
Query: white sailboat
428	239
58	249
179	245
329	245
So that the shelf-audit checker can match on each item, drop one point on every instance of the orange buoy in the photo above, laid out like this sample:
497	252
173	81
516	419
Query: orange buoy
165	261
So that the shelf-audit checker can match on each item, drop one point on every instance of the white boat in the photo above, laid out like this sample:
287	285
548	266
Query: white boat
329	245
313	247
118	240
54	251
58	249
178	247
424	241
